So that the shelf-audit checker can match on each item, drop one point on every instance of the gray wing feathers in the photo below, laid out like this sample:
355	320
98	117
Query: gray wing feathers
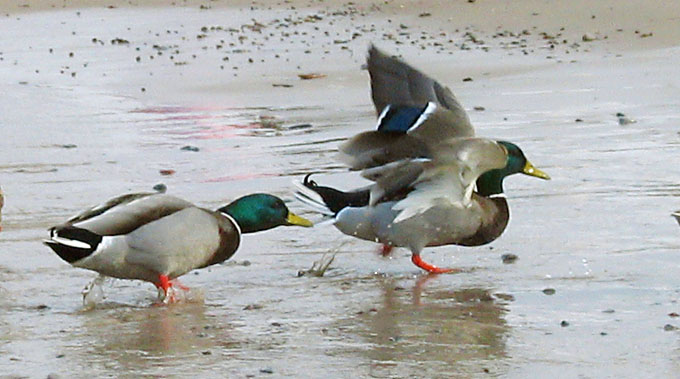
370	149
393	178
132	213
101	208
396	82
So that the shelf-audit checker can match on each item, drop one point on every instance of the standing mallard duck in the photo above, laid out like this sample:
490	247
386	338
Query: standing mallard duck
157	237
434	182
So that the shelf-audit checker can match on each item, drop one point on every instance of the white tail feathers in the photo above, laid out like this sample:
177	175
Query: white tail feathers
311	199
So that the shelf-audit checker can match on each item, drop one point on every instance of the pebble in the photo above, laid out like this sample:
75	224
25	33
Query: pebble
267	370
588	37
190	148
509	258
669	328
564	323
549	291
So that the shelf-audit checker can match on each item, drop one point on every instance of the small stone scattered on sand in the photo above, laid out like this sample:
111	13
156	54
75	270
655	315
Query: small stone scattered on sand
311	76
190	148
549	291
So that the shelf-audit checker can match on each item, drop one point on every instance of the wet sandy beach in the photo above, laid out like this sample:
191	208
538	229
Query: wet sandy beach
98	100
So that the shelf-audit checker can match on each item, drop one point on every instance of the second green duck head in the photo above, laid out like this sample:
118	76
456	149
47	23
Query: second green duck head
491	182
260	211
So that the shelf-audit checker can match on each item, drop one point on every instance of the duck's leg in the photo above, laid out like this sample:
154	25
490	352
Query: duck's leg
385	250
418	261
165	284
176	283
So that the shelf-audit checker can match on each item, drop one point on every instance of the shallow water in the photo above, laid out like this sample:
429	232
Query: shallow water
600	233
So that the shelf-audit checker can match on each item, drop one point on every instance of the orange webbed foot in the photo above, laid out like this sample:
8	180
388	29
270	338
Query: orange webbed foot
418	261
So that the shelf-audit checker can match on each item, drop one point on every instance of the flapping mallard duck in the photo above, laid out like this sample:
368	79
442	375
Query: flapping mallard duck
434	182
157	237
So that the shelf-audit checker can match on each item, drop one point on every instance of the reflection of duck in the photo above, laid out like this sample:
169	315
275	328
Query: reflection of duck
150	341
157	237
434	182
448	334
676	214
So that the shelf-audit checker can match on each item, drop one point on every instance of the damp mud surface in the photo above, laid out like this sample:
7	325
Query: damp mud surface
210	99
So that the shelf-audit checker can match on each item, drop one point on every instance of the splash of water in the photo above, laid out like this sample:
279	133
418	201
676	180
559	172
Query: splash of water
93	293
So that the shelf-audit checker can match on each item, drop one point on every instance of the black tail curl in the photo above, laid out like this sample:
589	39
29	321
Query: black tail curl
337	200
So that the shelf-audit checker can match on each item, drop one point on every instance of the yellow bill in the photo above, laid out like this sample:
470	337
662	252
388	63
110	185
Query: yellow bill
294	219
530	170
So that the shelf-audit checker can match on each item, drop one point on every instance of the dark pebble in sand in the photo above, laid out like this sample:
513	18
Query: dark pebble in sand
608	311
251	307
207	352
69	146
267	370
479	108
509	258
564	323
190	148
673	314
468	79
578	120
669	328
549	291
60	355
300	126
160	187
167	172
42	307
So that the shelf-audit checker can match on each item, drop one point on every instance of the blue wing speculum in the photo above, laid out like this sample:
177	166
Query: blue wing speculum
403	118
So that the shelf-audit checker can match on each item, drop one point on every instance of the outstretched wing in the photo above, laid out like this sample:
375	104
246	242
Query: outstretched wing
446	178
394	82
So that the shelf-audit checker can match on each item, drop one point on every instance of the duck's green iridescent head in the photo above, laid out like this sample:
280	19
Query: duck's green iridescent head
262	211
491	182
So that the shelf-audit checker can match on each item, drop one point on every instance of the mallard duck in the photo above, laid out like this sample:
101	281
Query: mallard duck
157	237
434	182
